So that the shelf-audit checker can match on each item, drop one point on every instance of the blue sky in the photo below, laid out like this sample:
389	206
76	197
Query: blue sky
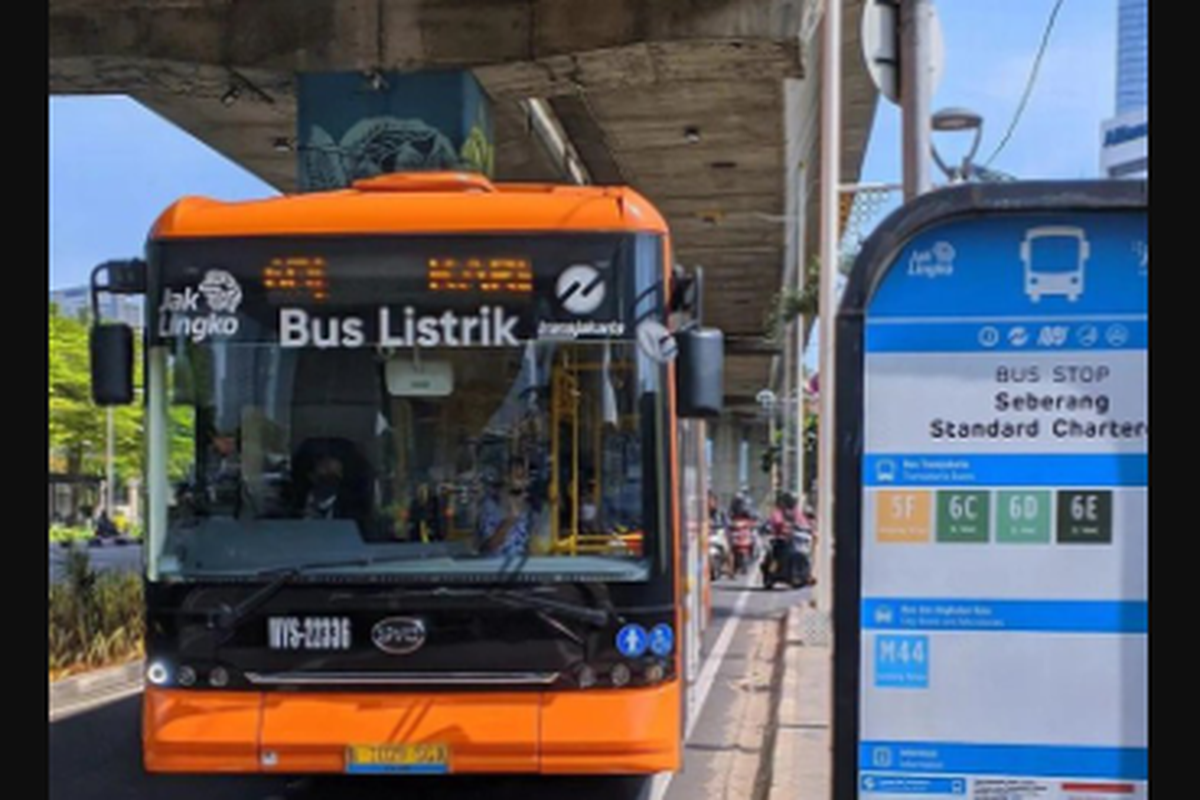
114	166
989	49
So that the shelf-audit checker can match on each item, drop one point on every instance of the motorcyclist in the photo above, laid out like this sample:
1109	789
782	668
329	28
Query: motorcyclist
787	515
785	518
741	507
741	517
105	527
716	515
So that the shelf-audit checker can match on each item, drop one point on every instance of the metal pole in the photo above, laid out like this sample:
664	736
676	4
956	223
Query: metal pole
157	452
831	172
108	463
800	385
800	438
774	476
916	90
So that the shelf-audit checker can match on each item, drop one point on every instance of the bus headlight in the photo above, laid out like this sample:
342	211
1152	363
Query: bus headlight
157	673
655	673
619	675
218	678
587	677
187	676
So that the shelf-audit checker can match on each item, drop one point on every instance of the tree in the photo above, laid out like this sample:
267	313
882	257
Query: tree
809	451
77	428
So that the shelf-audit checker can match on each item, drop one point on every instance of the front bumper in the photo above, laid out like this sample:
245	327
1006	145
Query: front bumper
626	731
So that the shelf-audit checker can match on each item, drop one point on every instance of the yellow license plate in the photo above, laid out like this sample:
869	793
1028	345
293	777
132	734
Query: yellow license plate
425	759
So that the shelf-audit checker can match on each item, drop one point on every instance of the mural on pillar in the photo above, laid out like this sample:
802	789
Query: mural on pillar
355	126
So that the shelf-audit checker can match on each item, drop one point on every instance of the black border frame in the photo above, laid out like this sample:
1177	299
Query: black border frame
872	265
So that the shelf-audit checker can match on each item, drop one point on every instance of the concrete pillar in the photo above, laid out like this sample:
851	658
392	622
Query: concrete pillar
786	413
353	125
726	446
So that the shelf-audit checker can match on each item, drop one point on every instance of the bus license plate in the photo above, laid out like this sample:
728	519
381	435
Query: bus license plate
424	759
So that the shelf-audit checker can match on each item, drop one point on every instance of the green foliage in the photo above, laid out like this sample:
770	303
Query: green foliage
68	533
790	303
810	451
772	456
77	427
94	620
477	152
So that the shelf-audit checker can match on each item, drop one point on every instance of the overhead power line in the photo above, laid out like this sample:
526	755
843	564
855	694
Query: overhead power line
1033	75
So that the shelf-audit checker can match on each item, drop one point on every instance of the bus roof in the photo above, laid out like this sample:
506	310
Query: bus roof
429	202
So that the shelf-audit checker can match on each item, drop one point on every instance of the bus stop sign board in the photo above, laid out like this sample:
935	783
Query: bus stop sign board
991	617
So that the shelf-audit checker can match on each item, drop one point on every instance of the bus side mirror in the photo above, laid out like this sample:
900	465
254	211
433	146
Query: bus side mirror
112	364
700	372
111	344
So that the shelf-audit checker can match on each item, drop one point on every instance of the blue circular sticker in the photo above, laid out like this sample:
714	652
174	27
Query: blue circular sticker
662	639
632	641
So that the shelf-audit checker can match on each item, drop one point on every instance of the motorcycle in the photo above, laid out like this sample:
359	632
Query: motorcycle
743	545
789	559
719	562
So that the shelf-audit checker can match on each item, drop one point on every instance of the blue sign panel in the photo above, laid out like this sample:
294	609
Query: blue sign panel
1000	457
902	662
873	783
632	641
1057	267
662	639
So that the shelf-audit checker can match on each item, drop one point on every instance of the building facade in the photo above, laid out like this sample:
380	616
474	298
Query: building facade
76	302
1125	146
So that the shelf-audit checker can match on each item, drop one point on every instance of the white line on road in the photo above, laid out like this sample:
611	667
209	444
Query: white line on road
658	786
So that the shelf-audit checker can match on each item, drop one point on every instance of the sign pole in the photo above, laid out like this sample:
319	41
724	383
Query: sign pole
916	92
831	171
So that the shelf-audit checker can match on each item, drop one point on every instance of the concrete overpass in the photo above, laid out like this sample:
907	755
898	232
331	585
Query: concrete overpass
624	79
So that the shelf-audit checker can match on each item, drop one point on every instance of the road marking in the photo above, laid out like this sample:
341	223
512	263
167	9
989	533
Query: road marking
656	788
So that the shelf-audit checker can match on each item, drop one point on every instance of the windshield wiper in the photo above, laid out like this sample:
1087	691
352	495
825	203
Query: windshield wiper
596	617
228	618
548	610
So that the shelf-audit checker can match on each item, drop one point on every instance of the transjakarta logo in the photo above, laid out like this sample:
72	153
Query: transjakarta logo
490	327
580	289
180	313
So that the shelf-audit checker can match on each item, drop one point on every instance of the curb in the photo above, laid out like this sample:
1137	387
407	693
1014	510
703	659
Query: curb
85	691
802	755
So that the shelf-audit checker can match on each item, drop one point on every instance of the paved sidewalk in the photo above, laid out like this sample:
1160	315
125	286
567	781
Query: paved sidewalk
79	693
802	758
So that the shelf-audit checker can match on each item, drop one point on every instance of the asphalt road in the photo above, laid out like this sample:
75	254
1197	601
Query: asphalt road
95	754
105	558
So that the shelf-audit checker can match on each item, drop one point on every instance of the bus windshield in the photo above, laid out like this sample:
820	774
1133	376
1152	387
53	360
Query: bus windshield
298	437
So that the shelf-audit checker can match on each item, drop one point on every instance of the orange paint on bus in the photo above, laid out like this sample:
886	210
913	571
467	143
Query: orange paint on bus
586	732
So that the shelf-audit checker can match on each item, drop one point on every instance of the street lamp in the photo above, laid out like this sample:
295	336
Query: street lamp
950	120
768	400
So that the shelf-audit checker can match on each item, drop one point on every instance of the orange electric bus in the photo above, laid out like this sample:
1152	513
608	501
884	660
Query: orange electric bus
425	479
